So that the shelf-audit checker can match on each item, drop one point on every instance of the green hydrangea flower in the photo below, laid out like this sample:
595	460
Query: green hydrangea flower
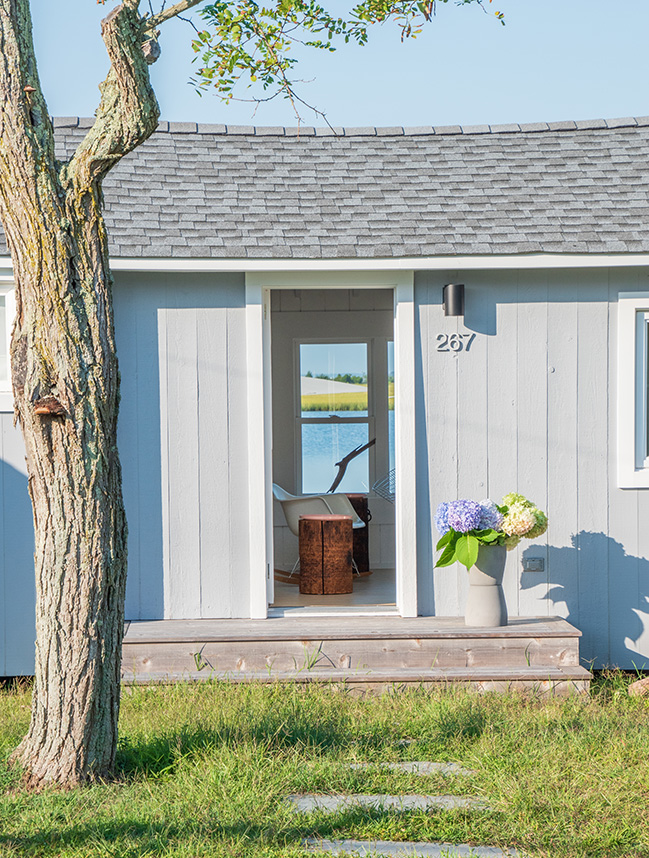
541	524
514	498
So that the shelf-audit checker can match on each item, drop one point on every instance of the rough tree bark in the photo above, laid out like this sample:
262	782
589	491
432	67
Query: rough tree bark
66	390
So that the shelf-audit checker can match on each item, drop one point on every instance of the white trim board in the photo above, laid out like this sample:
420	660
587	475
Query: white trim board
260	434
631	390
413	263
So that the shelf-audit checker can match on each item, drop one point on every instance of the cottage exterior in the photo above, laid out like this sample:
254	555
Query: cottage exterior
232	246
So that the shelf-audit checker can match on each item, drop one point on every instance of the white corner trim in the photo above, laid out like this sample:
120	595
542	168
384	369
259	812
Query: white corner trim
259	448
631	390
405	507
412	263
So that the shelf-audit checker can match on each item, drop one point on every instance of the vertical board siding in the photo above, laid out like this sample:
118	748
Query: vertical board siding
136	324
183	596
563	593
593	391
472	368
181	343
439	422
628	558
532	448
532	409
502	413
17	589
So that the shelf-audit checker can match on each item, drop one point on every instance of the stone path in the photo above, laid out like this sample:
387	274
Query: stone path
418	768
409	849
334	803
395	849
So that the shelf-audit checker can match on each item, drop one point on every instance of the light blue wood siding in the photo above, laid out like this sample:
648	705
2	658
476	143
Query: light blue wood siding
532	408
181	343
17	629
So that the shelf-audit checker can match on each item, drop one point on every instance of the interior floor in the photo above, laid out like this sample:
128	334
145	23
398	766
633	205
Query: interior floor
379	588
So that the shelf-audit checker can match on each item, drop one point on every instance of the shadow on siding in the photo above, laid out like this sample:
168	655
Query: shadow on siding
614	615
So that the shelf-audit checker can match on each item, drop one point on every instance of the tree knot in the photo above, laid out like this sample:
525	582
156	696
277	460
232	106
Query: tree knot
151	50
49	406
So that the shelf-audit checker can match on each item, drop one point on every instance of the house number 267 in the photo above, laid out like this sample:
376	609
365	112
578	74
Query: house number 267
454	342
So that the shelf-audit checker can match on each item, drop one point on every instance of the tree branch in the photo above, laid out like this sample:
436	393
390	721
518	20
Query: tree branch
171	12
128	112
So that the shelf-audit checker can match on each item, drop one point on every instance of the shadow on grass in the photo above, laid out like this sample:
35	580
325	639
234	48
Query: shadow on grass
156	755
456	720
136	838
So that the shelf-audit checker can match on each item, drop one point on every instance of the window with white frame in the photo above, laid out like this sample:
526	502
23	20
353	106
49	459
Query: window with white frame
633	391
335	414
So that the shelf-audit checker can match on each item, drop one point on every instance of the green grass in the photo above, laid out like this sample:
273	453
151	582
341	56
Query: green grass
348	401
203	769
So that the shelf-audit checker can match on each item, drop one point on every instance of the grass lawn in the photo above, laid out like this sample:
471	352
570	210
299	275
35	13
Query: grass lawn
203	769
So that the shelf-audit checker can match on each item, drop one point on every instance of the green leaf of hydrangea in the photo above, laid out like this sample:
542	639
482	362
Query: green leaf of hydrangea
448	536
448	556
466	550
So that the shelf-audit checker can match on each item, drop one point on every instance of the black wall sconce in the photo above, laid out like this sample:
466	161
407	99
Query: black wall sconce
453	299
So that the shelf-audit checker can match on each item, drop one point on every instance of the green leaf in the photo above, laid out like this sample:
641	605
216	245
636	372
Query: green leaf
448	536
487	536
466	550
448	557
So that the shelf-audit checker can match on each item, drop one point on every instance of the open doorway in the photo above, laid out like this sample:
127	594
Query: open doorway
333	428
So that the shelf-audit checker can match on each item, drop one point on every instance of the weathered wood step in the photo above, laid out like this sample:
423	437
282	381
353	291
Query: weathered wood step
394	644
558	680
335	628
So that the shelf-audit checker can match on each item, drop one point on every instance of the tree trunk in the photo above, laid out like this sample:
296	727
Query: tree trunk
66	390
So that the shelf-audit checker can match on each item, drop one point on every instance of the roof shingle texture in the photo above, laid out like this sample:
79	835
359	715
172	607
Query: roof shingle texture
239	192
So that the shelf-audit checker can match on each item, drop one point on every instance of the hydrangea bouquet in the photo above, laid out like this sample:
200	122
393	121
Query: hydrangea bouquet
465	525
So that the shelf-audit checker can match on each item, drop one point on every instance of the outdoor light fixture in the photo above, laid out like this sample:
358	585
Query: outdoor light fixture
453	299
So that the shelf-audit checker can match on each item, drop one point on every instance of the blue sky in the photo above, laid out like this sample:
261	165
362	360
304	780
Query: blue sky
556	59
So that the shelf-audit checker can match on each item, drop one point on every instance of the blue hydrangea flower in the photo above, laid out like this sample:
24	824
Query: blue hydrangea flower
464	515
490	517
441	519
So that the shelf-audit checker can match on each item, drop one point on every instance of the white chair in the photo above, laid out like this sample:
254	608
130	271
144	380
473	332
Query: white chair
296	505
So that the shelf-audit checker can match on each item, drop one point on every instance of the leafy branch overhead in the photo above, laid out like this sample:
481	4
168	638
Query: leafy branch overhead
244	40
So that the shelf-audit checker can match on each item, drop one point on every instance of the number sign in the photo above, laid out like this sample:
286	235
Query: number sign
454	342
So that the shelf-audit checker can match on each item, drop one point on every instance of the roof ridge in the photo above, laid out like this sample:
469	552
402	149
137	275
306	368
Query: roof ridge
374	131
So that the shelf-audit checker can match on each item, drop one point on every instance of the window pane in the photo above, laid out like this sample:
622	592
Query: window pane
333	379
323	445
4	358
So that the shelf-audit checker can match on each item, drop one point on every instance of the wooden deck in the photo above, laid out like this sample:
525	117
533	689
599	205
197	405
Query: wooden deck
363	652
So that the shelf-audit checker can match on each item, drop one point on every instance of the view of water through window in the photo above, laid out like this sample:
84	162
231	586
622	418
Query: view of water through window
335	415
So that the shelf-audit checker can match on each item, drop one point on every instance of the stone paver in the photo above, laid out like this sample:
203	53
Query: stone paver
395	849
333	803
418	768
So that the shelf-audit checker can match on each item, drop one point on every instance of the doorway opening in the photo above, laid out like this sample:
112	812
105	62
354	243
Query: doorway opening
333	430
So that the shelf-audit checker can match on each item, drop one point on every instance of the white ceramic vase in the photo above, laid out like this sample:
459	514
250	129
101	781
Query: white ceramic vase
485	605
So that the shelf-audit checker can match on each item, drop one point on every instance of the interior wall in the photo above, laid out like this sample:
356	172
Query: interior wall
328	315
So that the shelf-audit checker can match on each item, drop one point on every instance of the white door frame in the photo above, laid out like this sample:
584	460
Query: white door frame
260	448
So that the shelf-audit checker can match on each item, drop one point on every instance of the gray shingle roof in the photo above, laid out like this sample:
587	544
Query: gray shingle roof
215	191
